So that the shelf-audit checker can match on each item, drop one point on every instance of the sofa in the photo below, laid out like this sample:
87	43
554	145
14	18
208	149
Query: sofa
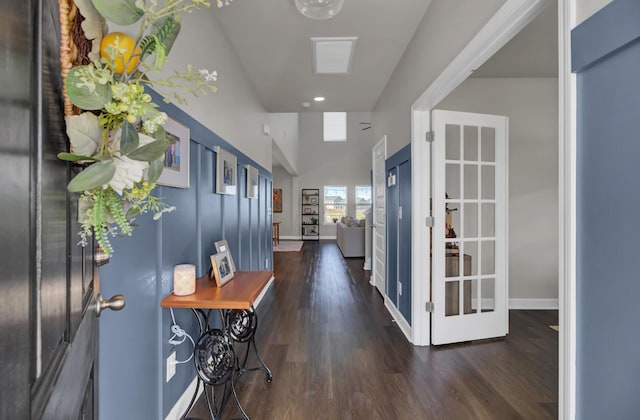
350	237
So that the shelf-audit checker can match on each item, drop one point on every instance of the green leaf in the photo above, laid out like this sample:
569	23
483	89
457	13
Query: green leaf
82	96
129	138
121	12
149	152
155	170
167	31
160	41
70	157
95	175
85	133
132	213
161	134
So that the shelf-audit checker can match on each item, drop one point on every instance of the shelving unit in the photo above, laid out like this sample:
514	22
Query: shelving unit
310	208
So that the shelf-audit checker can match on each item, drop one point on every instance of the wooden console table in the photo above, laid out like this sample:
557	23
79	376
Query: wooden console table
214	355
276	233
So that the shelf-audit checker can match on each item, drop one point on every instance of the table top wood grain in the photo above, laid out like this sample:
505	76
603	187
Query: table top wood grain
239	293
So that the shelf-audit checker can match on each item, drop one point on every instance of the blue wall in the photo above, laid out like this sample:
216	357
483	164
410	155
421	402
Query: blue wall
134	345
606	58
399	231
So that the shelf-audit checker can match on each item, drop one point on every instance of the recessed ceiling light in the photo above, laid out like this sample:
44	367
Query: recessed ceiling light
319	98
306	104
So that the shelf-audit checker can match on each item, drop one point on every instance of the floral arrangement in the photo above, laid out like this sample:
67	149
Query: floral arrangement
116	131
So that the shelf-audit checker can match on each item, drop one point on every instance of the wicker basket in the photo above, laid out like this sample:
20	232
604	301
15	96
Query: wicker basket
74	47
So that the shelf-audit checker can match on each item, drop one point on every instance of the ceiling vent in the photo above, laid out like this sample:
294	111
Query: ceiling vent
333	55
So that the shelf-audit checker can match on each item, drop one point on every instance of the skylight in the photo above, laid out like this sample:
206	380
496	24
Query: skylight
334	126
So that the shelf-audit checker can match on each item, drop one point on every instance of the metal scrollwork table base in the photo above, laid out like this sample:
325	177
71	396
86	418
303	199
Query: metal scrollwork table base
215	357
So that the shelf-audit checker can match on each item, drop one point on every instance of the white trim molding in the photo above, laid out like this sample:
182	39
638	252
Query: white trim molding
398	318
536	304
183	402
567	213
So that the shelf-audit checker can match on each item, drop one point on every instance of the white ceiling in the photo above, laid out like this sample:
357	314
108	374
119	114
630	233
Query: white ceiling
273	42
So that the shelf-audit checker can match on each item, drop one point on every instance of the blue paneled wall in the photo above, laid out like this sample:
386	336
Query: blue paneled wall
398	224
606	58
132	372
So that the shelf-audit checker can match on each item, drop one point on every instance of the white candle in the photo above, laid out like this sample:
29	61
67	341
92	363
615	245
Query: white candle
184	279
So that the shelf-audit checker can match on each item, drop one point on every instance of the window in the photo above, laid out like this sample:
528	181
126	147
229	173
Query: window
363	200
335	203
334	126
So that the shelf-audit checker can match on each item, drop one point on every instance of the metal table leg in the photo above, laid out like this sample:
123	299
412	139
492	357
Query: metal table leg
242	325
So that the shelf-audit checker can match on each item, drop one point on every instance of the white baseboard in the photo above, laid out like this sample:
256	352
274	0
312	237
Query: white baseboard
367	264
398	318
183	402
299	238
540	304
264	291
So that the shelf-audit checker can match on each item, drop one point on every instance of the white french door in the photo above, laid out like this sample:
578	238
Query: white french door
379	155
470	277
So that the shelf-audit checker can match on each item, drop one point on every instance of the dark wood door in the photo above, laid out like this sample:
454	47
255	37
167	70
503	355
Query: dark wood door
67	322
48	354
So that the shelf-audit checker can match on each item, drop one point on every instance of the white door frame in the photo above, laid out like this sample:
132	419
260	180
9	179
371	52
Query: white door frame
382	287
504	25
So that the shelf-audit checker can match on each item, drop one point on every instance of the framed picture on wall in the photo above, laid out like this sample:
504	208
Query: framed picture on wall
277	200
222	271
226	172
175	171
252	182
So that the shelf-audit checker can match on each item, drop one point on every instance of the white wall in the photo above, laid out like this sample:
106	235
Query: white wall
234	112
446	29
290	217
335	163
532	108
586	8
284	132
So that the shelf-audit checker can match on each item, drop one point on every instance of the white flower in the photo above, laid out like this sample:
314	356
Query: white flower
208	76
158	215
128	171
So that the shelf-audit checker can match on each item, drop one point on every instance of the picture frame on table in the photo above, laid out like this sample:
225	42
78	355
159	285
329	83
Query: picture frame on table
226	172
175	171
223	246
222	271
252	182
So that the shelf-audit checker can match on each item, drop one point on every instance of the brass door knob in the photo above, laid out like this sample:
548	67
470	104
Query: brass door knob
116	303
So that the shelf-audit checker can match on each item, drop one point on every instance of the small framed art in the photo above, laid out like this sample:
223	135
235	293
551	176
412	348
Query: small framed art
222	271
226	172
277	200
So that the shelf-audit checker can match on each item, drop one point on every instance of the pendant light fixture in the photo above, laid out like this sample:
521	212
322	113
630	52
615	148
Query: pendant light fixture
319	9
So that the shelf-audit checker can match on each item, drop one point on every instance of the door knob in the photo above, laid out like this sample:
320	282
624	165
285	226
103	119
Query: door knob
116	303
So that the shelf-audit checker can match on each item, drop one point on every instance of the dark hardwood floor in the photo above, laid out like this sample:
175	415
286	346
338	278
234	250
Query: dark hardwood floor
335	353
